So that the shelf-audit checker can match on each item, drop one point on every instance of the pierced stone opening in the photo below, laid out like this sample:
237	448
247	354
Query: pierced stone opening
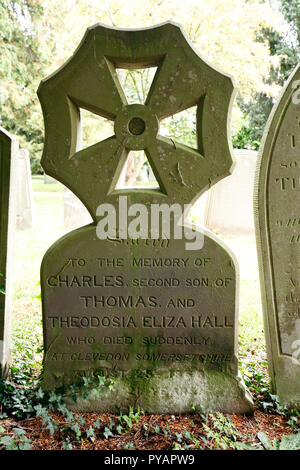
181	127
137	173
136	126
136	83
93	129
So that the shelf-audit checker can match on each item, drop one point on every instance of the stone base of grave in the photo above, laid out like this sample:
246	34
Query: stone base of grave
285	378
175	392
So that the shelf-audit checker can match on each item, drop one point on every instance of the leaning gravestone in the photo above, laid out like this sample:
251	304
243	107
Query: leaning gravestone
230	202
8	162
277	202
25	215
157	317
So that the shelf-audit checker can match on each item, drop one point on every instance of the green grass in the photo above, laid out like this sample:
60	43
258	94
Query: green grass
39	185
251	334
30	246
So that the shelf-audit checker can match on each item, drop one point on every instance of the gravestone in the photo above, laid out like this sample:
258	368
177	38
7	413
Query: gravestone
230	202
8	163
200	208
49	180
75	214
156	317
25	208
277	201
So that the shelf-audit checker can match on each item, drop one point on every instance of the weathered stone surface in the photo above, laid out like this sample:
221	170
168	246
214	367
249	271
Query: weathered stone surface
8	163
230	202
75	214
25	206
158	318
141	310
277	226
176	86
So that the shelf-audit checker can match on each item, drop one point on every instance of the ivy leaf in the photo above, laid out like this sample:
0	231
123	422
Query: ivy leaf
188	435
129	446
40	410
40	394
90	432
54	398
76	429
119	428
97	424
86	381
290	442
8	442
107	433
111	385
25	446
265	440
81	420
67	445
18	432
101	381
61	407
51	426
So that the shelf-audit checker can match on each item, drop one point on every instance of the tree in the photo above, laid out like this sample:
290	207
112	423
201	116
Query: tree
21	67
285	47
39	35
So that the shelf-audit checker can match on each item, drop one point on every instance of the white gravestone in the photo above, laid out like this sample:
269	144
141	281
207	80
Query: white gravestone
25	210
229	206
49	180
75	214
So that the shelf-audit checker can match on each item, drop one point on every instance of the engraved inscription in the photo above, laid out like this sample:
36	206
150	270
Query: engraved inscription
127	311
284	223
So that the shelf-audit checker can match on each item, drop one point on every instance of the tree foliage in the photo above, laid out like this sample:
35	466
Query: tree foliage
21	67
286	47
37	36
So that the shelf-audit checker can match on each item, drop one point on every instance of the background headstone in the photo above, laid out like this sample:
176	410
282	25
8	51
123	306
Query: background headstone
277	203
159	319
230	202
49	180
8	165
25	205
75	214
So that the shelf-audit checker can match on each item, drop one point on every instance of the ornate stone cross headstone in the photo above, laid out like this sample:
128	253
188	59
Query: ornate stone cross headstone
278	235
158	318
8	163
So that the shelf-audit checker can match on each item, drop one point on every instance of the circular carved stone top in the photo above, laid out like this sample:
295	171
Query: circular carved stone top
89	80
